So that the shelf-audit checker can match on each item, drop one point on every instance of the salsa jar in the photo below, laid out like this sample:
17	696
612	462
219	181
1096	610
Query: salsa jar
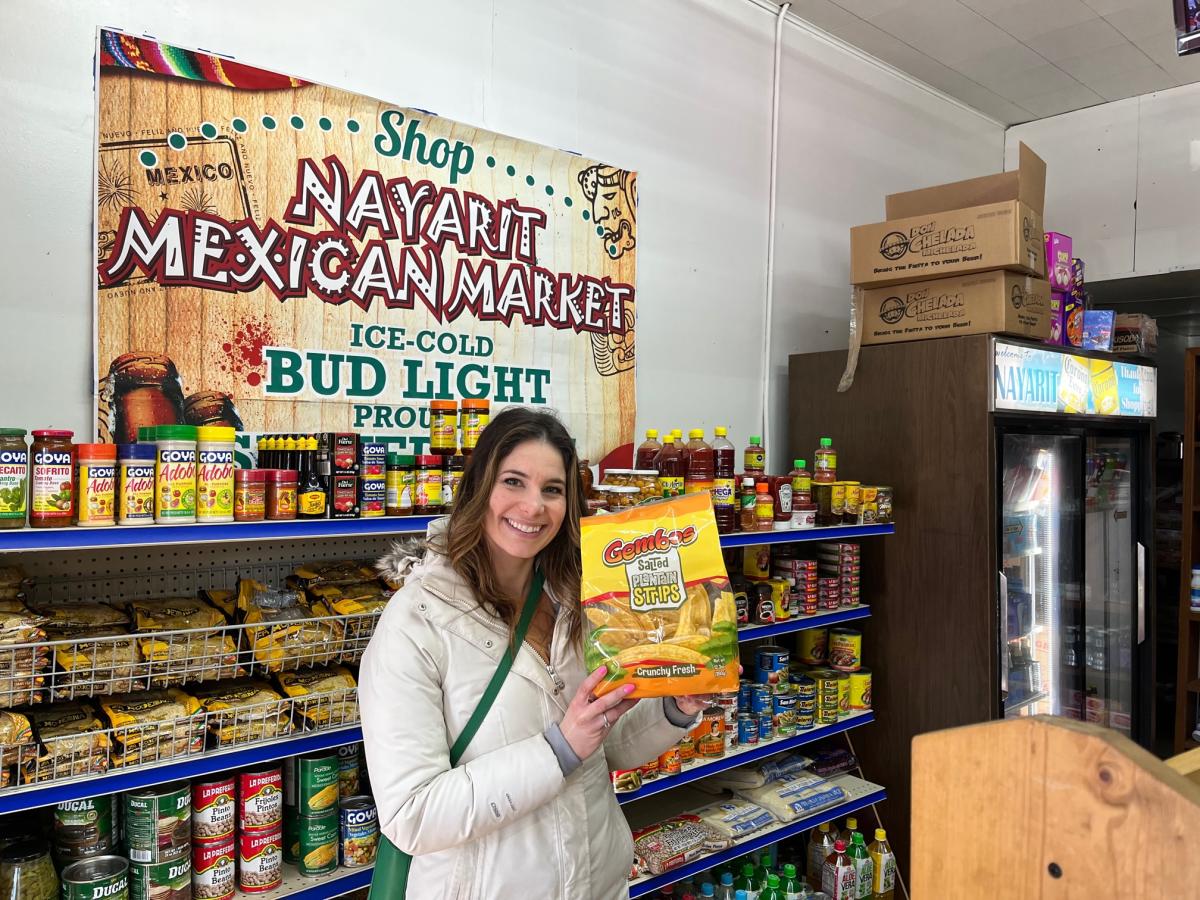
97	484
249	495
443	427
281	493
475	416
52	479
14	478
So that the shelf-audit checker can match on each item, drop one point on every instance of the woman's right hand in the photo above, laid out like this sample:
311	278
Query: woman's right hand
589	718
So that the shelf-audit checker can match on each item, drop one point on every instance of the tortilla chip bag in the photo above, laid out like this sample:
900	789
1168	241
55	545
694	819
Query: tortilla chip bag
658	609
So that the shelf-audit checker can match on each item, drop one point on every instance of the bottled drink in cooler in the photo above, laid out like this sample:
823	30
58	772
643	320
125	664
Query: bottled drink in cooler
846	835
883	883
761	871
699	475
754	458
725	889
724	491
746	883
648	452
825	462
837	875
820	845
864	869
772	891
791	885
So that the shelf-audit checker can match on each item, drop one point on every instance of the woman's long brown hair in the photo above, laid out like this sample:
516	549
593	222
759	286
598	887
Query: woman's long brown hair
467	548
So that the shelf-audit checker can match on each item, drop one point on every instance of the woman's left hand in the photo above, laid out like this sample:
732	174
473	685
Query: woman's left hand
691	704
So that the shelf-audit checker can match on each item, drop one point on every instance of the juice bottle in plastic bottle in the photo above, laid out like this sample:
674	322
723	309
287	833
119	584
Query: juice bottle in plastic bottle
764	507
883	885
747	501
699	475
825	462
864	869
801	484
648	451
791	885
761	870
772	890
725	889
846	835
708	891
820	845
745	883
754	458
724	492
670	469
837	875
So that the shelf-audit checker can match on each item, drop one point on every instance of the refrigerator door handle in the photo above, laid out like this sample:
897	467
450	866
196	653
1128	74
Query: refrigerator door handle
1141	592
1003	632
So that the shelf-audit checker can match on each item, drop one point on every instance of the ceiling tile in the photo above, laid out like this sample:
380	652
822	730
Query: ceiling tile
993	67
1065	100
987	101
984	6
869	9
1184	69
1131	83
943	30
826	15
1074	40
1093	66
1033	17
1031	82
1104	7
1138	20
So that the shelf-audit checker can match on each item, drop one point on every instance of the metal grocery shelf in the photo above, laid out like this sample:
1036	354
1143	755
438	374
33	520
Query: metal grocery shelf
743	755
819	620
859	794
27	540
796	535
300	887
17	798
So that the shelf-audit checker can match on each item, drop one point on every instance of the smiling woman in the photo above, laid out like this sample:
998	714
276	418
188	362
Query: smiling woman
532	782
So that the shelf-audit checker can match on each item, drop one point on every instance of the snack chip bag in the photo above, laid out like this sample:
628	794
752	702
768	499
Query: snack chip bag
658	608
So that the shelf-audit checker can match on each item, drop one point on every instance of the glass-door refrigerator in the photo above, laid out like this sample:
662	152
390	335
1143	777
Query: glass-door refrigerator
1075	507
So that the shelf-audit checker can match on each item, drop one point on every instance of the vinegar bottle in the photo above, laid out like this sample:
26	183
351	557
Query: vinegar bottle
754	458
648	451
699	464
825	462
883	884
723	492
670	469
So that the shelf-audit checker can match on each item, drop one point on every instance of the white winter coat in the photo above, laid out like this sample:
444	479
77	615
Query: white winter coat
504	823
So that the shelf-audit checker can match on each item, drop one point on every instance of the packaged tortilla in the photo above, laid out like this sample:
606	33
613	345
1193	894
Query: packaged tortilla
153	725
286	632
103	660
243	711
659	612
198	649
323	696
71	740
309	575
74	616
16	743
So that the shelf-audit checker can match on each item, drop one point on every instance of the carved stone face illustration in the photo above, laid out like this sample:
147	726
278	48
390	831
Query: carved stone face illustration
613	195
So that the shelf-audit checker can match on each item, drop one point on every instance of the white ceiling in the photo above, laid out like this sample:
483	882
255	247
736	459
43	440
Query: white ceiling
1017	60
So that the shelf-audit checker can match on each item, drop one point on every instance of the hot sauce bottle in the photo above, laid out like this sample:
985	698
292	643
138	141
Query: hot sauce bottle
724	492
648	452
671	470
754	458
699	470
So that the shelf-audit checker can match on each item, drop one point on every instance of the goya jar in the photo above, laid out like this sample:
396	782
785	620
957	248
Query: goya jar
135	484
97	484
281	493
443	427
474	418
175	474
14	478
214	473
52	479
249	495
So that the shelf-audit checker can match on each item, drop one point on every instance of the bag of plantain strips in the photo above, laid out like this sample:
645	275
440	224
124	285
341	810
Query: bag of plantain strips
658	609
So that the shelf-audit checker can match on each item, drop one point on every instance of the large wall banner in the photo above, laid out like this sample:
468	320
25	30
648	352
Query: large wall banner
291	257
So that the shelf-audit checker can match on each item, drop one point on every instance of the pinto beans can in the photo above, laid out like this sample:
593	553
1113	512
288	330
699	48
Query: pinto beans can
214	810
260	860
260	799
214	870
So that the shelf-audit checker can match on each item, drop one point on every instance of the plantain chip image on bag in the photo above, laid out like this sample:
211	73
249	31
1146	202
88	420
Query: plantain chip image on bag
658	609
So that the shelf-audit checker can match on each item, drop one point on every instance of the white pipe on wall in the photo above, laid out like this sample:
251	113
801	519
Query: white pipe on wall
768	303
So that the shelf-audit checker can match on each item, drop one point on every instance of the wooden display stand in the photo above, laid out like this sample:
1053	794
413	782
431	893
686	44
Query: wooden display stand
1188	686
1049	807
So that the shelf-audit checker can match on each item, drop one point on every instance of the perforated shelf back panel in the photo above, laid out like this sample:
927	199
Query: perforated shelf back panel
168	571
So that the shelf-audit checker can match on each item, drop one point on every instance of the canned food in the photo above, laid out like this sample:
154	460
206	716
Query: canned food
760	699
860	689
669	763
813	646
710	734
687	749
803	686
808	705
837	500
745	687
780	591
158	823
359	832
260	799
747	729
260	860
349	778
804	720
626	780
214	809
83	828
649	770
319	836
161	881
771	661
312	783
785	714
843	682
214	870
98	878
766	726
845	649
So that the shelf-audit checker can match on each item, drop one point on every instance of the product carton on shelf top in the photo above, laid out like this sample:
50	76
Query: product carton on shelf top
992	222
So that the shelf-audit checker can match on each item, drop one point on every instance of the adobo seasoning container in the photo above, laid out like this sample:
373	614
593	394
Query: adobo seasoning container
96	484
135	484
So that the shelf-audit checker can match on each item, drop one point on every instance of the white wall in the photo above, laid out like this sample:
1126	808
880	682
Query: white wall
678	89
1123	179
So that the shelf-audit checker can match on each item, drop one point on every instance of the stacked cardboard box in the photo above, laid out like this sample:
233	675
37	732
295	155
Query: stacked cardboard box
962	258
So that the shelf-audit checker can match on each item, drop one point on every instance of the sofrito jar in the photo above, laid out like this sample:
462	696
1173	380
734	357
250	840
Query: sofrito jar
52	479
443	427
14	478
97	484
249	495
281	493
474	418
427	500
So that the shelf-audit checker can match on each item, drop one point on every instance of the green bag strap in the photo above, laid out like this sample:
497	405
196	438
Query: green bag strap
506	661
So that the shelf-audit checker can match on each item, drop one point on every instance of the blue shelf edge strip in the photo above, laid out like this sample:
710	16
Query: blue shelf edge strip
32	539
758	632
32	796
335	887
704	770
756	842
